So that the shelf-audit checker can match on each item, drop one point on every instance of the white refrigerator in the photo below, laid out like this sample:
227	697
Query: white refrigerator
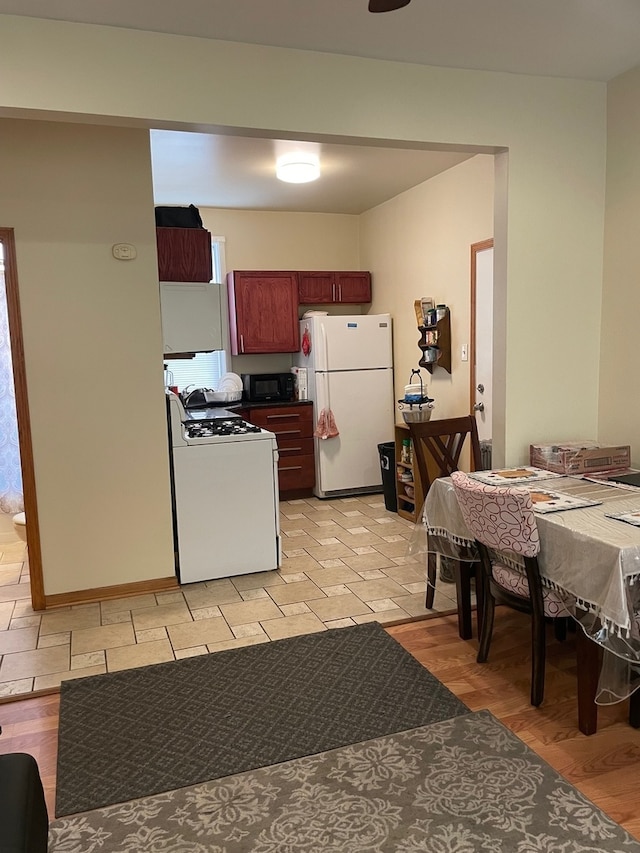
349	361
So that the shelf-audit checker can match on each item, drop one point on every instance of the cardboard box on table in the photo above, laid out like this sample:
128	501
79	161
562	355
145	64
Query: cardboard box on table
579	457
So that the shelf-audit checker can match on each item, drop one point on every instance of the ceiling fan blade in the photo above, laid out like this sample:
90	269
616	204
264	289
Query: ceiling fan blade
387	5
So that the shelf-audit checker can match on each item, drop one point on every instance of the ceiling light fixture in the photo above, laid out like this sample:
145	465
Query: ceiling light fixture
387	5
298	167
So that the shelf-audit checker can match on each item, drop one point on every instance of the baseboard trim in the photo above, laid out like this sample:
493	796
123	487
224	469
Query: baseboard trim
104	593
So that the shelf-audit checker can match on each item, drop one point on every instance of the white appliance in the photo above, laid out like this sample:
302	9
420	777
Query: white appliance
224	475
350	373
191	316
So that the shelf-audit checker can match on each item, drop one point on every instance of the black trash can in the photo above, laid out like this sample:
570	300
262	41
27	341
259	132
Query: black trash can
387	452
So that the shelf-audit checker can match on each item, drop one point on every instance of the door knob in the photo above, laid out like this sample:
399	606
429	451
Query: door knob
479	407
481	388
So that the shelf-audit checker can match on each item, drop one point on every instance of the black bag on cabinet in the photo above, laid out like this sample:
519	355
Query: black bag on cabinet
178	217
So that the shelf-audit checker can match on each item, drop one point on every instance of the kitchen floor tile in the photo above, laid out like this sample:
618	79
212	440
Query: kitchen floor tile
372	590
162	614
105	637
198	596
144	654
20	640
345	561
36	662
199	633
250	611
338	607
291	593
55	621
293	626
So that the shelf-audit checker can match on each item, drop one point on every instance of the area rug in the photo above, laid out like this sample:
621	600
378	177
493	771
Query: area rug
141	731
464	785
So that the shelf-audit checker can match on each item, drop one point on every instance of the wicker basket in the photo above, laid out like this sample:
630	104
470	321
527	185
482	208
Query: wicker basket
417	415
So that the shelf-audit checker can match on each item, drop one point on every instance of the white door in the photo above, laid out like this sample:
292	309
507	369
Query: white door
362	405
482	339
354	342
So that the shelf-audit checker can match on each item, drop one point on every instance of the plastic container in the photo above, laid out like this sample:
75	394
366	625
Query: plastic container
387	452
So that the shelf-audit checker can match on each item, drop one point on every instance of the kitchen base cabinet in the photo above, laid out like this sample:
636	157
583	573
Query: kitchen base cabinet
293	428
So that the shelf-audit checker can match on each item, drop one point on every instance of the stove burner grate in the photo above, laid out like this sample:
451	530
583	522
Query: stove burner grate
220	427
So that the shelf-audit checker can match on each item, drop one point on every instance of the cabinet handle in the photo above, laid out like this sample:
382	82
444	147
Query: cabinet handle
289	450
291	468
339	293
289	415
333	291
241	343
288	432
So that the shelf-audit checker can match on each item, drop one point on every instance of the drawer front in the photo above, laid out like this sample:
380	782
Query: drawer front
290	447
286	421
296	472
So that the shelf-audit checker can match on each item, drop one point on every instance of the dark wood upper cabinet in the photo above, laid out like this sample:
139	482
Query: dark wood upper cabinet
263	311
334	287
184	254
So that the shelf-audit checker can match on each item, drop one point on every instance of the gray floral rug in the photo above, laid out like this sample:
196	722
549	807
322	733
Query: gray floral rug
465	785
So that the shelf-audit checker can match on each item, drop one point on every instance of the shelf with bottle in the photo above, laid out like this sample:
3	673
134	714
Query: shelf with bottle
408	490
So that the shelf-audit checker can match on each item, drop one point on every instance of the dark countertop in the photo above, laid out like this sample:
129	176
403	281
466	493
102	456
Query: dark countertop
270	405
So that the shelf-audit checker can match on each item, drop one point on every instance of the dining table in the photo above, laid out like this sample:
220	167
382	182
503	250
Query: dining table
589	530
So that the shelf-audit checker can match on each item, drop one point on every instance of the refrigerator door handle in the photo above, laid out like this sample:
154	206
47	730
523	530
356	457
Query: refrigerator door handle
325	346
324	402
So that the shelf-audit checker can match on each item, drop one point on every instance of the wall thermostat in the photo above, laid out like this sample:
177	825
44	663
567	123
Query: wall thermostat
124	251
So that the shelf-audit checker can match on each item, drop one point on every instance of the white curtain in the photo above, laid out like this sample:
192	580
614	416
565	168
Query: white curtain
11	498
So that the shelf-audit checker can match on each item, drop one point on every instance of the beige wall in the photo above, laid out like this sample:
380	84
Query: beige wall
418	244
548	237
548	248
275	240
619	399
93	349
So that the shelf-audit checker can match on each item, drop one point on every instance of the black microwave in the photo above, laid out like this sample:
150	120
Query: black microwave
268	387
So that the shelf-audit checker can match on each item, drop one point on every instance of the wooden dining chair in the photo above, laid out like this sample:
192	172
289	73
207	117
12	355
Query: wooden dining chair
437	448
502	521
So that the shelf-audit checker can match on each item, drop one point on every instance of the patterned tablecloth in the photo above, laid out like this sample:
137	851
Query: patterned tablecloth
583	552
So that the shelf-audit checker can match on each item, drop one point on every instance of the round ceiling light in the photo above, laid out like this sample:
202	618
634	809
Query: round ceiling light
298	167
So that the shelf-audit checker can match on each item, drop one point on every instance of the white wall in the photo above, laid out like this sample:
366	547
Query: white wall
419	244
93	349
548	239
619	399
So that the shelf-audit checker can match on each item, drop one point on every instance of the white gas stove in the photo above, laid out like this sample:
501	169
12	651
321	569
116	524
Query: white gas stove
208	426
224	486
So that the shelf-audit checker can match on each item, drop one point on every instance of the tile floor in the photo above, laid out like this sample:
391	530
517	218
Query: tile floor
344	562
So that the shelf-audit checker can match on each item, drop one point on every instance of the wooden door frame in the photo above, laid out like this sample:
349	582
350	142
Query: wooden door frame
34	554
482	246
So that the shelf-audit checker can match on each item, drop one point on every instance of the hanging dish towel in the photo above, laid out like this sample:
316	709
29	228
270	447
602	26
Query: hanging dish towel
326	426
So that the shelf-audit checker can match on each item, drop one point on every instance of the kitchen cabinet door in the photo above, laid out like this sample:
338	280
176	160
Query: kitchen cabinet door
263	312
184	254
191	317
353	286
316	288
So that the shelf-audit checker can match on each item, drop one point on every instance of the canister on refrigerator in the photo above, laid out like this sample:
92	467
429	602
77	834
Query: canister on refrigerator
300	380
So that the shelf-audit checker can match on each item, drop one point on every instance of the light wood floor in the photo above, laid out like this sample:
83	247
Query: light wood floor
605	766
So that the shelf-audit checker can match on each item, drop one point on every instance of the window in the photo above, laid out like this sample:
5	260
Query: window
205	369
